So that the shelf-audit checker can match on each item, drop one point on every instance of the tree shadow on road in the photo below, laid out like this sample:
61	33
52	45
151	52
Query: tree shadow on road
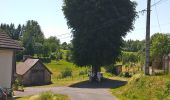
105	83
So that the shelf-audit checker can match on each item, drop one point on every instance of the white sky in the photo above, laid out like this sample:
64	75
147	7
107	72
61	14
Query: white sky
51	19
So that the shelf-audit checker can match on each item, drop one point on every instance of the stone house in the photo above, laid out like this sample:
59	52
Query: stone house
8	48
33	72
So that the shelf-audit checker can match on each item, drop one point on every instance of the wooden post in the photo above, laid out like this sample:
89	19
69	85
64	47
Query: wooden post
147	51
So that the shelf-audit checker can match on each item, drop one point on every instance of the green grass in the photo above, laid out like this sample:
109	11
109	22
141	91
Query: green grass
46	96
56	67
142	87
64	53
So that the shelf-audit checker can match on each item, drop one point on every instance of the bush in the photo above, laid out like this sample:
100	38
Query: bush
110	69
66	73
45	60
46	96
19	56
52	57
83	72
125	74
17	85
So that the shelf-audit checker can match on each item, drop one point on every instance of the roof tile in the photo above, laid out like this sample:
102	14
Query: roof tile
7	42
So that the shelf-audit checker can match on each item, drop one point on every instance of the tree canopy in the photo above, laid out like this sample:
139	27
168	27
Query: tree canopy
133	45
160	46
32	35
98	27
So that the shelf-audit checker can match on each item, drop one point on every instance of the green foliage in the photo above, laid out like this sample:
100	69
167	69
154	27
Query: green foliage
69	56
66	46
133	46
56	67
32	39
110	68
32	34
84	71
19	55
128	57
145	87
38	49
125	74
13	32
46	50
53	43
46	96
98	27
17	86
160	46
67	72
45	59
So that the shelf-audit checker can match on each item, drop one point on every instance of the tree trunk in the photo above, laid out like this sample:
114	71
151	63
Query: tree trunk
95	69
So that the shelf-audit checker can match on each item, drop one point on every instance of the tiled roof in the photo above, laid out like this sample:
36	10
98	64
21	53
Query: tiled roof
7	42
25	66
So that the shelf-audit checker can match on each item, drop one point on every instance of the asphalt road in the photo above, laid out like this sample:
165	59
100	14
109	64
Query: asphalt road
80	91
73	93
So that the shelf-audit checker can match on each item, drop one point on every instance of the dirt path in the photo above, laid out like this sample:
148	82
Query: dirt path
80	91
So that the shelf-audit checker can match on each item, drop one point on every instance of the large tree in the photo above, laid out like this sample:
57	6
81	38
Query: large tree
32	34
54	43
98	27
160	46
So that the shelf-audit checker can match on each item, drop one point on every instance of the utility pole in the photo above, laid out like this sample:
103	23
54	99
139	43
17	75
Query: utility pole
147	50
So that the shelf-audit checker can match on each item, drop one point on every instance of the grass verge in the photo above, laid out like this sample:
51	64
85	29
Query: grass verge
142	87
46	96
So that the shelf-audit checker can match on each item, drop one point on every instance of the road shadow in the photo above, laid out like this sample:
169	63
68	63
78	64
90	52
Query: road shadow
105	83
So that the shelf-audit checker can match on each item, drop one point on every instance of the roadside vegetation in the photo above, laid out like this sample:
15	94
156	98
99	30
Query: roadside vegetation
66	73
141	87
46	96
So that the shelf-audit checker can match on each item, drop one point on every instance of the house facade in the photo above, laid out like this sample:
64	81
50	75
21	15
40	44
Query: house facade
33	72
8	47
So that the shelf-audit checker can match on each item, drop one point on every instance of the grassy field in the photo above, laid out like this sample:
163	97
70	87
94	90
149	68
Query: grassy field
46	96
56	67
142	87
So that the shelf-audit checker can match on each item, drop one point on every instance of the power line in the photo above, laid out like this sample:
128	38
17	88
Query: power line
156	3
154	26
62	34
157	17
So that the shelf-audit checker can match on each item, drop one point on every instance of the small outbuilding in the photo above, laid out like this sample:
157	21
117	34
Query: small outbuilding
8	48
33	72
166	63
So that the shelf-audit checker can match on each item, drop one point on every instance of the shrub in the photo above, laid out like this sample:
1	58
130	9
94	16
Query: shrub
66	73
45	60
46	95
16	84
52	57
110	69
125	74
84	72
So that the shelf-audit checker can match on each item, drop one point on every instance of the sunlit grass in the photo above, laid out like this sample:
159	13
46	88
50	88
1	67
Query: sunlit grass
57	66
45	96
142	87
